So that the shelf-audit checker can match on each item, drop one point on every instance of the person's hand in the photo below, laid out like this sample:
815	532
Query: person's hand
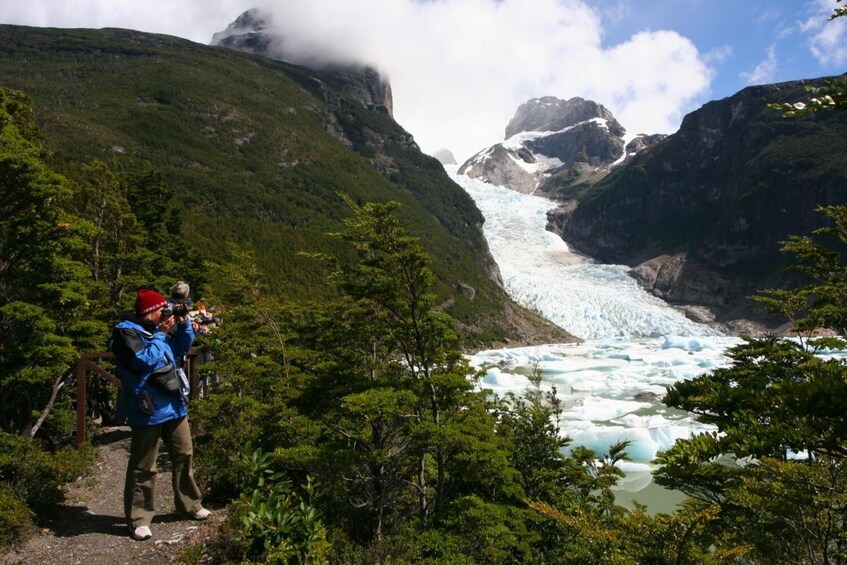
165	326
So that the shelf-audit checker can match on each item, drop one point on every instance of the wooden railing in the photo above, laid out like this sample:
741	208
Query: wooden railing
87	362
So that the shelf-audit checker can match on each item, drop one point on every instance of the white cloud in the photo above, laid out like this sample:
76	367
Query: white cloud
765	71
616	11
718	55
458	68
826	38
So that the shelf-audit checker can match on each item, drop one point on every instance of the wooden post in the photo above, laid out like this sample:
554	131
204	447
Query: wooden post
80	401
192	375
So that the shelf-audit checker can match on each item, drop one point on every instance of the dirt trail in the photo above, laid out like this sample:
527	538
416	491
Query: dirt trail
89	526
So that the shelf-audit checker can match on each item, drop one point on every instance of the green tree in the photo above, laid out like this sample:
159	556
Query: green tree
391	380
375	444
43	285
254	384
44	319
531	423
161	215
392	281
820	302
119	260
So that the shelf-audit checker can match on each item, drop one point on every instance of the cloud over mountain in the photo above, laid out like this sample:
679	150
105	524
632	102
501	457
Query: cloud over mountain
458	68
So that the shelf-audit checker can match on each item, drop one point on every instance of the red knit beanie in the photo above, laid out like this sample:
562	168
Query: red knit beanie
147	301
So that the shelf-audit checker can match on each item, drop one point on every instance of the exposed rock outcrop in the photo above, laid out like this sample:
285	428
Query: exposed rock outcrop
552	114
551	144
445	157
516	168
251	32
642	142
254	32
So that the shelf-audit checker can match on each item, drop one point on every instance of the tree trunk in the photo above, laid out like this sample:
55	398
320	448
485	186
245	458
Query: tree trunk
58	385
424	502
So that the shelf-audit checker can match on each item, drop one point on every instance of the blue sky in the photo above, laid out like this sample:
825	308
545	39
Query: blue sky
745	41
460	68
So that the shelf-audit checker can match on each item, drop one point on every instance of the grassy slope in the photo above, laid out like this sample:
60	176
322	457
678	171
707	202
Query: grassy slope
244	141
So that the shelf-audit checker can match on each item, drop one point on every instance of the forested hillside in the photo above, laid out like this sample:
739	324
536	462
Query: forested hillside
257	153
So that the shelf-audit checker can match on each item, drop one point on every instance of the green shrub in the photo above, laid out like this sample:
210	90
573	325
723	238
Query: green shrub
31	481
15	519
275	524
36	476
227	423
270	522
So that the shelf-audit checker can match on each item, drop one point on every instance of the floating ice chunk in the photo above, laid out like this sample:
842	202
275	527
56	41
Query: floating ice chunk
647	435
589	386
492	376
502	383
633	421
638	477
598	409
599	439
632	466
574	426
686	343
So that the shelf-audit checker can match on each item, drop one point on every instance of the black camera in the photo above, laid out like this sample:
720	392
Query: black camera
178	310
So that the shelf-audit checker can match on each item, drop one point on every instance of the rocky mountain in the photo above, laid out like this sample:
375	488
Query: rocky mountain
445	157
700	215
552	144
254	32
251	32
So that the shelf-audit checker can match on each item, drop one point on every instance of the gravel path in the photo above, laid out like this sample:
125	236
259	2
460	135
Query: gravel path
89	527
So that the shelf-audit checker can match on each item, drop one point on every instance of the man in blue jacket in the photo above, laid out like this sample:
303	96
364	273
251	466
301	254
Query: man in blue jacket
146	351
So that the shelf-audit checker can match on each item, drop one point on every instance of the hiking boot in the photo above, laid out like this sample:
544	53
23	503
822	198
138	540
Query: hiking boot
201	514
141	533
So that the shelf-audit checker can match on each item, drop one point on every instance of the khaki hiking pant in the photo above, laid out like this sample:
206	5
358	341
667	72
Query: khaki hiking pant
140	487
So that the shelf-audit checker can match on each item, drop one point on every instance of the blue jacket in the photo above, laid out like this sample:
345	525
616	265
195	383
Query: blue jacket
139	352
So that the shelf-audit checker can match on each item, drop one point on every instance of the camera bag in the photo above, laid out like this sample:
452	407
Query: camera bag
165	378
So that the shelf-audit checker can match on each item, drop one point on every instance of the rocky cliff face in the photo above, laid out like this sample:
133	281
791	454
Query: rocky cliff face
552	143
251	32
445	157
700	215
254	32
550	114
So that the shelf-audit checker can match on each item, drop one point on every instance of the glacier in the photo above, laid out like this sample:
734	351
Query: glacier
634	344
